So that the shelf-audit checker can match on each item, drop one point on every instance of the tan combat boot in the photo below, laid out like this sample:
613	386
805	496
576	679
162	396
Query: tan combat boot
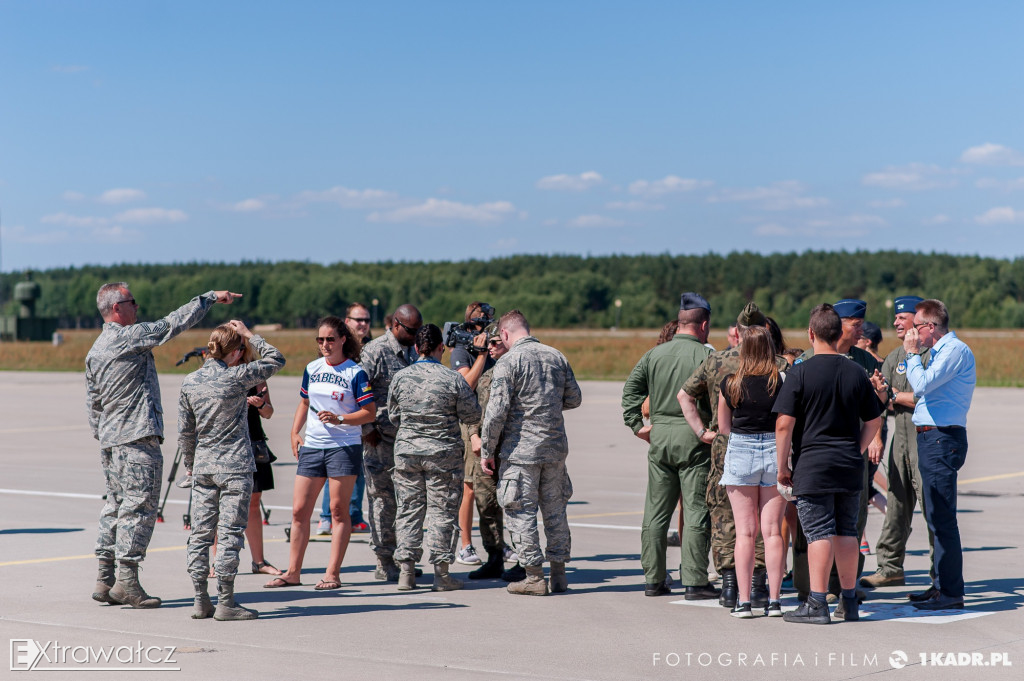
406	575
444	581
128	591
559	582
533	585
104	580
386	570
227	609
203	605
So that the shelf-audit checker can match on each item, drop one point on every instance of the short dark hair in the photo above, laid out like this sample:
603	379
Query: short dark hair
693	317
428	338
935	312
513	319
825	324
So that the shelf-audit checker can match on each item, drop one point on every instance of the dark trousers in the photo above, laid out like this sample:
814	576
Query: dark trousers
941	454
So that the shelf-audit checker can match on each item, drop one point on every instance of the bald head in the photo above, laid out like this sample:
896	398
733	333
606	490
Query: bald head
408	314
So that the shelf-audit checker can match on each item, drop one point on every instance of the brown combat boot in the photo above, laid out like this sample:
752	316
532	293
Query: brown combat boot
203	605
128	591
227	610
104	580
533	585
444	581
386	570
406	575
559	582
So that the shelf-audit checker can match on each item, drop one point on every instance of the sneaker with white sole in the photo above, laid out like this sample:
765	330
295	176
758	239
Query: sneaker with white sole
323	528
510	555
467	556
773	609
742	611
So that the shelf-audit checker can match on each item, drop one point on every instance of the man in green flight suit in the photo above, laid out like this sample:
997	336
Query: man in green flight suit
677	461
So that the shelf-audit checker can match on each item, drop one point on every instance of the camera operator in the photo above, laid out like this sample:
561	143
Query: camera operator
470	358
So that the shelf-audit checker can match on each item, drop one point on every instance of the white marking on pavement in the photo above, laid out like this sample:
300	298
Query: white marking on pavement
875	612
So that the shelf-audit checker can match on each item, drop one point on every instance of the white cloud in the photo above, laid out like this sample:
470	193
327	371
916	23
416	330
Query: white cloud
442	210
72	196
122	195
843	226
785	195
939	219
670	184
506	244
1014	185
912	177
589	221
247	206
352	198
18	234
73	220
116	234
570	183
887	203
794	203
989	154
1000	215
848	220
636	206
150	215
70	68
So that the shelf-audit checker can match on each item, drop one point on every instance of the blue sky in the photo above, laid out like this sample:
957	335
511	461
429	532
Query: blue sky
337	131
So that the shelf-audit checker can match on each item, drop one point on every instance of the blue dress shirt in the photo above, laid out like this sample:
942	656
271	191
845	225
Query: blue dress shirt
945	388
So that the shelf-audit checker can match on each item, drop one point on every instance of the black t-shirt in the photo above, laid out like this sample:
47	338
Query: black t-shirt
462	359
754	413
829	396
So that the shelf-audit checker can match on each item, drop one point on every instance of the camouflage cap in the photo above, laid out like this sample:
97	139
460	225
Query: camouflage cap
751	316
491	330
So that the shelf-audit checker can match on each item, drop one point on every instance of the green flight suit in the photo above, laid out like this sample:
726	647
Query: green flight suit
677	461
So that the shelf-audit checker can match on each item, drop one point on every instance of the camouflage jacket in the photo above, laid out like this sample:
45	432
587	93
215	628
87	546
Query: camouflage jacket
706	382
213	424
659	373
123	395
531	385
426	403
381	359
483	396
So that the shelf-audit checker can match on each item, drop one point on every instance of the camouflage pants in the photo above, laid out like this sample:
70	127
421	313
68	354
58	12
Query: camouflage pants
220	508
133	474
485	491
525	489
723	525
378	462
429	488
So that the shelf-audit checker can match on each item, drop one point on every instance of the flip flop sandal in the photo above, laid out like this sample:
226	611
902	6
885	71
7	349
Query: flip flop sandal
279	583
327	585
265	568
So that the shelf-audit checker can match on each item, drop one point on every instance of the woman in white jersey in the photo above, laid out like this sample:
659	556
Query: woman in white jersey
335	399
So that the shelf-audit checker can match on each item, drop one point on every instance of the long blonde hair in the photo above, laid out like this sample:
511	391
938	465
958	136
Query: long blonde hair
757	358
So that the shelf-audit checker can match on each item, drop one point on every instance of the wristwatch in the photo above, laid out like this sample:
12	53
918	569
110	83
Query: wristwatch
700	435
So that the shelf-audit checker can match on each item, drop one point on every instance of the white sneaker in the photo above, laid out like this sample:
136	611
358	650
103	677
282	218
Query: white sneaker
467	556
324	527
510	555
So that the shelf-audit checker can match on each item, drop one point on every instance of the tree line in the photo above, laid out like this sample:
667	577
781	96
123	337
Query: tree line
554	291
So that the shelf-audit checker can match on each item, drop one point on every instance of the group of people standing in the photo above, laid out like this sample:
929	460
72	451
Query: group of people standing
735	435
389	410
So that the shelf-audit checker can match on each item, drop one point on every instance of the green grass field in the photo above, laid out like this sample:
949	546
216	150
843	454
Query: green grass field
594	354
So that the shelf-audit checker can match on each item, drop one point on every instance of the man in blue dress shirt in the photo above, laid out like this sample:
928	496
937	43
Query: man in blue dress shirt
944	390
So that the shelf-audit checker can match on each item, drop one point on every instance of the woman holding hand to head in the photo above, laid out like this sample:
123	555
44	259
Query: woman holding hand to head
334	401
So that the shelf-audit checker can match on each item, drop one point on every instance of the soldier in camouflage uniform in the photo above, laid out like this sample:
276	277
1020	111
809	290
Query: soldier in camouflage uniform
426	402
531	386
381	359
125	415
213	433
706	383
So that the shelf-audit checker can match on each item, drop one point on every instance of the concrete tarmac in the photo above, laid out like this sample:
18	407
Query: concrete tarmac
603	628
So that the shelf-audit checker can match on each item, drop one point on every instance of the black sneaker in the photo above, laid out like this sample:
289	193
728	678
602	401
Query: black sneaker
773	609
742	611
809	612
700	593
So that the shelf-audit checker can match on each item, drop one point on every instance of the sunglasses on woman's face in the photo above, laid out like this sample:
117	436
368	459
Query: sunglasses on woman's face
320	340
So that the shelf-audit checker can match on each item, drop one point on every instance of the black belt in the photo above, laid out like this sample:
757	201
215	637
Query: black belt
925	429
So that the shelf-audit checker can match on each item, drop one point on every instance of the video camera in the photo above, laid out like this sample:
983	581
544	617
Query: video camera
458	335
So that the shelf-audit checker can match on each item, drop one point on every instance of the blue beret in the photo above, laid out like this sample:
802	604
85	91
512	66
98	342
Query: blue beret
693	301
851	307
906	303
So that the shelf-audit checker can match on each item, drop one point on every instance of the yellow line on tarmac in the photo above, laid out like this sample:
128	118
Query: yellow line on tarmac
992	477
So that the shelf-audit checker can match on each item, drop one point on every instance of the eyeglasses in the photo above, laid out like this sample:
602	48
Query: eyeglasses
320	340
496	341
918	326
359	320
127	300
410	330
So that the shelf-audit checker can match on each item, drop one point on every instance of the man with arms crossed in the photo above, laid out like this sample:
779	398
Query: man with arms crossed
821	406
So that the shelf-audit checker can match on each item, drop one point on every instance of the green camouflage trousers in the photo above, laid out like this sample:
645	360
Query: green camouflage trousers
485	492
220	508
723	525
429	488
133	473
523	491
378	462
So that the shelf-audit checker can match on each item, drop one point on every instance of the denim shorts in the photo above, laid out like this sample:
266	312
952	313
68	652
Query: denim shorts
750	460
828	515
330	463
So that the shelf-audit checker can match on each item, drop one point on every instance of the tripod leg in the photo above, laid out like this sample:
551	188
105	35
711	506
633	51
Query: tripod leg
170	480
266	513
187	518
